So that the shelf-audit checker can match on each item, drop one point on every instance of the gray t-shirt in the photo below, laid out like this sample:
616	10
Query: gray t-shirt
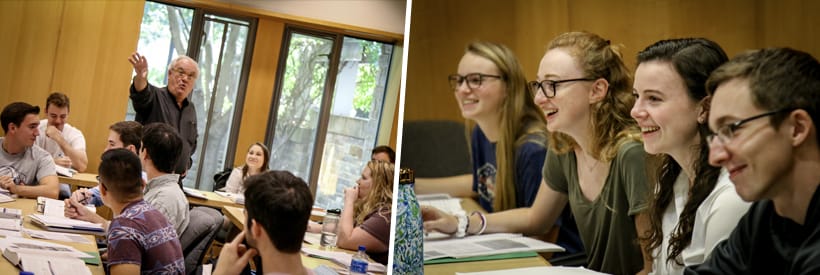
28	167
165	195
606	225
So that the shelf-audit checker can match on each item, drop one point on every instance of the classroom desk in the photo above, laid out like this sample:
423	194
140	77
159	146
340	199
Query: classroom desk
237	218
86	180
28	206
213	200
469	205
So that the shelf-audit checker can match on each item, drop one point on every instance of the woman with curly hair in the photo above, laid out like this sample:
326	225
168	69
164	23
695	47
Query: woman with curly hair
365	216
695	205
595	160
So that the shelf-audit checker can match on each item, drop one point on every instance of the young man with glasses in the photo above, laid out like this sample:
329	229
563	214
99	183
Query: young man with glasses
169	104
140	238
764	115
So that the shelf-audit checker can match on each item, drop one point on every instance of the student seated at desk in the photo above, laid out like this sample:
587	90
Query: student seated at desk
25	169
595	161
764	114
140	238
256	161
695	206
365	216
278	206
123	134
160	147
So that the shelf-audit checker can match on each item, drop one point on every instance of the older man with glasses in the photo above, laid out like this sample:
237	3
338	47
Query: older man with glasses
764	115
169	104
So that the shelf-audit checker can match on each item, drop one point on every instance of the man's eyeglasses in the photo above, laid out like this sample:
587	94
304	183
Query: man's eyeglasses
548	87
726	132
182	74
473	80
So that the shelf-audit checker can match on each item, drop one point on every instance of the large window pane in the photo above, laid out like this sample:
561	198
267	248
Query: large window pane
164	34
299	104
221	59
358	97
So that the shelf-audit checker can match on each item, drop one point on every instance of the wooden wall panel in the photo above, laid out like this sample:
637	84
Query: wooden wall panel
76	47
440	30
30	30
261	82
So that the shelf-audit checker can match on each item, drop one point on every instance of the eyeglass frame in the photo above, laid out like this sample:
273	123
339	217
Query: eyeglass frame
539	85
728	130
462	79
179	72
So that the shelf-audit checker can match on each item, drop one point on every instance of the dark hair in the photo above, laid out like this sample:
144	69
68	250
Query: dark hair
15	113
130	133
59	100
385	149
779	79
163	145
121	174
266	159
281	203
693	59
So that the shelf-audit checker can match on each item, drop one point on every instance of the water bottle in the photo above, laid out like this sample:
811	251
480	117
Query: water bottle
408	253
330	225
358	265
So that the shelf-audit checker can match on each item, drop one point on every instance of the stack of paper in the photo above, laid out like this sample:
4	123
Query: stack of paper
237	198
63	224
43	257
557	270
194	193
483	245
341	258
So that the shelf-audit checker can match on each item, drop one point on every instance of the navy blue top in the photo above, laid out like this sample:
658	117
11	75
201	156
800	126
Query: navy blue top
529	161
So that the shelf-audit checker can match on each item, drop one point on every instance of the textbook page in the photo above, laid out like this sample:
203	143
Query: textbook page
42	264
557	270
483	245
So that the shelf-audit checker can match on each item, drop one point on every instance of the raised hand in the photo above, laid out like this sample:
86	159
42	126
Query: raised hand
141	69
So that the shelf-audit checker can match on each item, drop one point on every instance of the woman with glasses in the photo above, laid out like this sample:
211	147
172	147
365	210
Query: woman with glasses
365	218
694	206
508	143
595	161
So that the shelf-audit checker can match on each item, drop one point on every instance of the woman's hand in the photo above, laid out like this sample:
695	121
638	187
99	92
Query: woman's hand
351	195
437	220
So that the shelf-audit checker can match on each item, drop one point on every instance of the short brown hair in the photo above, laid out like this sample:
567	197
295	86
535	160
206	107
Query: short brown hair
59	100
130	133
779	79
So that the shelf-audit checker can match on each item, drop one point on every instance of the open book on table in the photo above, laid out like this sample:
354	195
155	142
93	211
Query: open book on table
484	245
63	224
44	257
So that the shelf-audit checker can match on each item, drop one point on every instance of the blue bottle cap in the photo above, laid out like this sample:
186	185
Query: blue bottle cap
26	273
361	248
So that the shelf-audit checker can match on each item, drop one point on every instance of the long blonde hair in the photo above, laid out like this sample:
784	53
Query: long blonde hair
520	120
381	192
610	123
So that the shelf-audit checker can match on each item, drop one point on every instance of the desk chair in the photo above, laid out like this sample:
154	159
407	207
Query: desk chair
202	227
435	148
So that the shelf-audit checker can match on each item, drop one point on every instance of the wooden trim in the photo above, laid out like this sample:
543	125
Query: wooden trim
349	30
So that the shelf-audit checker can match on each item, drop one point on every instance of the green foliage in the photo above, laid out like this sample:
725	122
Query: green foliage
368	72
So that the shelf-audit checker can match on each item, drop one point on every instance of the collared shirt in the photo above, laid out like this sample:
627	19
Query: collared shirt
159	105
164	194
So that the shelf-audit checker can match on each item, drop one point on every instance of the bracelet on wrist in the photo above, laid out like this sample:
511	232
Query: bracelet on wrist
463	222
483	221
